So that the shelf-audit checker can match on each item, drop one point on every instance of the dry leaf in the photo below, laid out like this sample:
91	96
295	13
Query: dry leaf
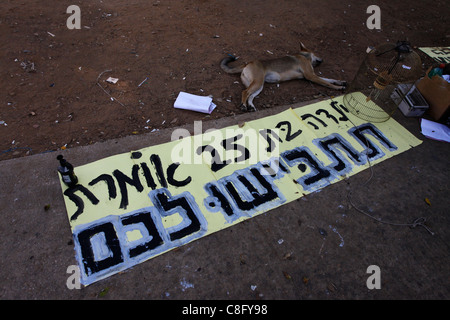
287	275
288	256
428	201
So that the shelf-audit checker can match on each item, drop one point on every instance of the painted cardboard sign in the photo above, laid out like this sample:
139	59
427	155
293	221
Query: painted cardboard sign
131	207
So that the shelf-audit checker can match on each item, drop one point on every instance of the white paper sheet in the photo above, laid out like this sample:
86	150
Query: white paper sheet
434	130
195	103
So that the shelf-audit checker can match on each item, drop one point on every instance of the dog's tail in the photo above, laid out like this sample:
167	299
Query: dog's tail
227	69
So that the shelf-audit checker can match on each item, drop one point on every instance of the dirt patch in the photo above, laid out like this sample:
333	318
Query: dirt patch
51	98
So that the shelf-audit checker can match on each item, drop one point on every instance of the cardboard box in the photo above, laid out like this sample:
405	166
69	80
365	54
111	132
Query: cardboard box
413	104
437	93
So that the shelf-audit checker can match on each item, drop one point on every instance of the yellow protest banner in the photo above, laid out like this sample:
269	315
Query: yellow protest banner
439	54
131	207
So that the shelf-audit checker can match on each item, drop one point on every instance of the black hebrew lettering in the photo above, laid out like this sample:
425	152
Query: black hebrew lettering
270	170
303	155
228	144
271	144
308	115
148	176
156	161
330	145
343	117
123	180
110	242
112	192
167	205
243	193
258	198
373	151
146	219
289	134
216	162
70	193
327	114
221	199
136	155
171	176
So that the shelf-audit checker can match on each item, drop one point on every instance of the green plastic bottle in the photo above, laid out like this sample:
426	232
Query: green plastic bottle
437	71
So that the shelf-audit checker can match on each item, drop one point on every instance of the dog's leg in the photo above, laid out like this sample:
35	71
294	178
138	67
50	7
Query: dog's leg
249	94
253	78
329	83
251	106
335	82
308	73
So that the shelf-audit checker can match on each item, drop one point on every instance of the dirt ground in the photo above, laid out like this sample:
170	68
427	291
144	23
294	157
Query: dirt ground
178	45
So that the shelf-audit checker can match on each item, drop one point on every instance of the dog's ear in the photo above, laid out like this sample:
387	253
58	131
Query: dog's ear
302	47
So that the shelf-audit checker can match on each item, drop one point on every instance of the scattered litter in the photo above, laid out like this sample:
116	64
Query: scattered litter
335	231
260	34
51	34
28	66
103	292
323	232
280	241
288	256
269	52
140	84
112	80
435	131
185	285
3	123
111	97
193	102
154	130
272	26
331	287
253	287
216	36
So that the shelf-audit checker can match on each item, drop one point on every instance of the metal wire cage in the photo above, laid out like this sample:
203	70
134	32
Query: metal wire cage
384	78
